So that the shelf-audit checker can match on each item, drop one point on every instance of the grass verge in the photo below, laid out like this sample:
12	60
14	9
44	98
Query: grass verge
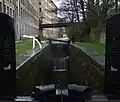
23	46
96	47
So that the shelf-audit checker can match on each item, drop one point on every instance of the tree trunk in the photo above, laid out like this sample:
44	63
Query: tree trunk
116	6
82	7
77	15
76	9
97	3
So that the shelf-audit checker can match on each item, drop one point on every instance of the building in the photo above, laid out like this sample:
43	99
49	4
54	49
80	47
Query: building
48	14
7	6
27	18
26	15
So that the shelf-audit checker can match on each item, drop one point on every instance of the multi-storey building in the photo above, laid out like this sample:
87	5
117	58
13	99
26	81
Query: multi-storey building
28	13
7	6
25	13
48	14
27	18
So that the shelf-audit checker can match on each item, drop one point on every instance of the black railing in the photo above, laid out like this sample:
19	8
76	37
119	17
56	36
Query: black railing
56	25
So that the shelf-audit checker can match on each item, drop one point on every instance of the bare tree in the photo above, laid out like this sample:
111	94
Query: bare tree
116	6
72	10
83	9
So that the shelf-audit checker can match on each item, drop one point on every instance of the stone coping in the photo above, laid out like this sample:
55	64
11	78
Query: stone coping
95	56
23	58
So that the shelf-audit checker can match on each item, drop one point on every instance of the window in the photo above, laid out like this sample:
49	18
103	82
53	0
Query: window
25	13
0	6
13	13
39	3
23	2
40	10
21	12
8	10
5	8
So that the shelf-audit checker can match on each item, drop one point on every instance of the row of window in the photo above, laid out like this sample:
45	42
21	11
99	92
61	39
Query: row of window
25	29
30	7
8	10
10	1
49	4
40	10
24	14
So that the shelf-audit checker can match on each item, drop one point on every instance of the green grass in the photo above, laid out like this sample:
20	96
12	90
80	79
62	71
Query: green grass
96	47
23	46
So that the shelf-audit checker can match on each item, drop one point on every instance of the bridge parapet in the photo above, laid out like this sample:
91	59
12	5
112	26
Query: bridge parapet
56	25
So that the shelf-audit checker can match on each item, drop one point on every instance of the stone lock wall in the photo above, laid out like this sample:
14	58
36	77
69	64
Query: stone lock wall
38	70
85	71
